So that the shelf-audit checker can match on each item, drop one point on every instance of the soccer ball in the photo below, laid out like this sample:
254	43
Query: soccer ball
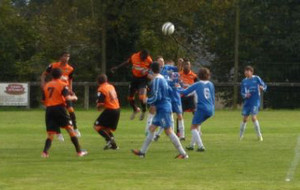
168	28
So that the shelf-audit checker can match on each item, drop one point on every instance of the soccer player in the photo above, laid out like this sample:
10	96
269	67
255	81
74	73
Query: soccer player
170	73
141	62
67	77
160	98
55	96
180	64
205	92
108	120
251	87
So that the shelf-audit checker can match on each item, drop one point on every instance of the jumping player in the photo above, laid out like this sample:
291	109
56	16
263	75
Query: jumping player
55	96
162	118
251	87
205	106
108	120
67	77
141	62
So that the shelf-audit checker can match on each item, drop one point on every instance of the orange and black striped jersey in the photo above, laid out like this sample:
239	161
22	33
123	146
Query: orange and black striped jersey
140	68
67	71
107	96
54	93
187	79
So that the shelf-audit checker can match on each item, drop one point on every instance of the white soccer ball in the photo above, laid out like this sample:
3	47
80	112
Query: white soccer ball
168	28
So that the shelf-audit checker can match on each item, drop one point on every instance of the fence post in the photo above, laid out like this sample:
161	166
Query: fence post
86	95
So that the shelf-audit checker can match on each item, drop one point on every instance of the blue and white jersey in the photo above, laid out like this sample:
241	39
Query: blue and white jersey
251	86
172	76
205	93
160	94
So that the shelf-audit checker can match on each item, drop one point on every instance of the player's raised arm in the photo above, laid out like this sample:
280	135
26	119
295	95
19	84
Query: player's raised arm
189	89
113	69
262	84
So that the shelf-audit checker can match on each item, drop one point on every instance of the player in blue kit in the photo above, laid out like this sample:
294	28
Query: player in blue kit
205	108
170	73
251	88
162	102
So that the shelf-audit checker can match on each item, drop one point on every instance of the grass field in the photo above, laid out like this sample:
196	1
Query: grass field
227	164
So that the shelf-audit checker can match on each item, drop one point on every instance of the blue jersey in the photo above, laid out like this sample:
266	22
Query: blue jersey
205	92
251	86
160	94
172	76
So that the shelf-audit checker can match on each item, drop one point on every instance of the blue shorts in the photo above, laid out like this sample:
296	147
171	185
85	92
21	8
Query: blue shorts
162	119
250	110
176	108
200	116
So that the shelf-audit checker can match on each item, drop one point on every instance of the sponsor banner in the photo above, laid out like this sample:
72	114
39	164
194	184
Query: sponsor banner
14	94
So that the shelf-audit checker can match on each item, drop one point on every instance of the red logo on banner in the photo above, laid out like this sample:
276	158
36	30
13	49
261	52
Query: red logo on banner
15	89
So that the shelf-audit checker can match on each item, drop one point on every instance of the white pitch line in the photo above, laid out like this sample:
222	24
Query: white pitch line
294	163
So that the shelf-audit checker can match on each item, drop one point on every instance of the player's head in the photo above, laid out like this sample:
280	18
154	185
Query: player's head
170	62
248	71
186	66
102	79
155	67
56	73
161	61
64	57
204	74
144	54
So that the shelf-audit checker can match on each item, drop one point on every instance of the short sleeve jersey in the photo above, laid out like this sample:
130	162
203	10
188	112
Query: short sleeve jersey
187	79
55	92
67	71
140	68
107	96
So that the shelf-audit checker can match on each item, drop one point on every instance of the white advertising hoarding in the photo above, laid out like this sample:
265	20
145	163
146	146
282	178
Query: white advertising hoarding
14	94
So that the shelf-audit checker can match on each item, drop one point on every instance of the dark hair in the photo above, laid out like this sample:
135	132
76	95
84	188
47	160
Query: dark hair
102	78
155	67
204	74
144	54
249	68
63	53
56	73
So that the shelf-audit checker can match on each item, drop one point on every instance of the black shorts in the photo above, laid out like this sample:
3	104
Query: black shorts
57	117
108	118
137	83
188	103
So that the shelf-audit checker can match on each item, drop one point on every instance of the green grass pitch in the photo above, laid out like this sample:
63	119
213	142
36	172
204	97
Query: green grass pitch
228	164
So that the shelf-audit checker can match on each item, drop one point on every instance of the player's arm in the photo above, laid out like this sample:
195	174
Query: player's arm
189	90
44	75
71	83
100	100
244	92
262	84
69	97
127	62
154	97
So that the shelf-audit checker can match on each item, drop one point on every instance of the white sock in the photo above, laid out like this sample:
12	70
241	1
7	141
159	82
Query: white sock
242	129
149	122
197	138
172	120
147	142
193	141
181	128
257	128
199	129
160	130
176	143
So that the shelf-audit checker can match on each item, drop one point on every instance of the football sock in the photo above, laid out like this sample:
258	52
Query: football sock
104	134
257	128
147	142
76	143
176	143
132	104
181	128
47	145
144	106
149	121
242	129
197	138
160	130
172	120
73	119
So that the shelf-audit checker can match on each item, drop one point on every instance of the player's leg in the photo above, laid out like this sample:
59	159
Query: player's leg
149	118
181	127
73	119
75	141
245	113
176	142
142	97
257	128
132	92
48	142
51	128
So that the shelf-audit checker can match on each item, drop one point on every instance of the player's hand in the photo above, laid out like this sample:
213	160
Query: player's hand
248	95
261	88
